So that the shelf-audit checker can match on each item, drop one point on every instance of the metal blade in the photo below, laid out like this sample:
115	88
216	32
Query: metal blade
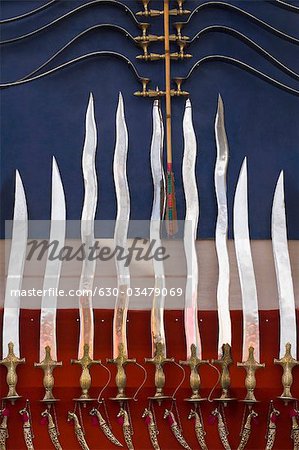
87	230
251	336
288	330
225	333
157	312
190	230
121	229
15	270
53	268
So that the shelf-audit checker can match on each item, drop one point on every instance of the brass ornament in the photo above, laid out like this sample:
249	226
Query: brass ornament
271	432
121	378
177	432
71	416
251	365
127	428
48	365
105	427
11	362
225	362
27	428
295	430
3	428
246	430
152	428
159	360
287	363
222	430
52	429
194	363
85	379
199	429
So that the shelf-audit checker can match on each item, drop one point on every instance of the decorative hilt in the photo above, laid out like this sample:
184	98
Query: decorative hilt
225	361
155	13
147	92
48	365
194	363
145	37
11	362
251	365
85	380
181	55
287	363
159	360
179	37
121	378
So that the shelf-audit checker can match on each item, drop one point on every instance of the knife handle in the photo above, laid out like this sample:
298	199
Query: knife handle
120	362
225	361
48	365
85	379
287	363
11	362
194	363
251	366
159	360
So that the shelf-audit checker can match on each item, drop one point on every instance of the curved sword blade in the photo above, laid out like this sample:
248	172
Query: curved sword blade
283	271
245	267
53	268
225	334
157	312
87	230
190	230
15	270
121	229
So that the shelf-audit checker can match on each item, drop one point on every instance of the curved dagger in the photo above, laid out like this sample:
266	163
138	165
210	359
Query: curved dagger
175	429
105	427
193	342
11	339
288	328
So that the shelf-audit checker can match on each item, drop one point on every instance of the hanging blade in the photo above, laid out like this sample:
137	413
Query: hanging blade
121	230
225	334
53	268
87	231
15	270
245	267
288	329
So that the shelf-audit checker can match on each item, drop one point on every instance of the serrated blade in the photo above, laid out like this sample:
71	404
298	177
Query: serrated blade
53	268
251	335
190	231
288	329
225	334
15	270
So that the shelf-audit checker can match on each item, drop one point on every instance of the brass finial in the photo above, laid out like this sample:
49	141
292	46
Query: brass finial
148	12
194	363
48	365
147	92
11	362
85	379
159	360
287	363
225	361
121	379
251	365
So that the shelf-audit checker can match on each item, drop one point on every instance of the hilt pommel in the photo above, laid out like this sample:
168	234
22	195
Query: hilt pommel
11	362
194	363
48	365
287	363
159	360
120	361
85	380
251	366
225	361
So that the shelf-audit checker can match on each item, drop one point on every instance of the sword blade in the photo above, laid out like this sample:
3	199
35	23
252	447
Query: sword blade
245	267
190	230
87	230
53	268
15	270
225	334
288	332
121	229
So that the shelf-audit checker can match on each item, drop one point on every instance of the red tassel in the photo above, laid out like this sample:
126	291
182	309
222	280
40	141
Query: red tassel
255	421
147	420
94	421
211	419
273	418
44	421
170	420
25	417
120	420
5	412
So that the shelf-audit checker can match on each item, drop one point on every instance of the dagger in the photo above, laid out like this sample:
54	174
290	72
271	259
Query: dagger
13	284
48	350
251	339
120	349
288	329
85	349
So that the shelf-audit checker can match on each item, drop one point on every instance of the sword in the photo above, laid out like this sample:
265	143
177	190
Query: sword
225	333
251	339
48	351
288	330
157	313
85	349
120	349
13	284
193	342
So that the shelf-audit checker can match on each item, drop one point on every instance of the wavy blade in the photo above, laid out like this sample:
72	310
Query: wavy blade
157	312
53	268
121	229
87	229
245	267
225	334
190	230
288	330
15	270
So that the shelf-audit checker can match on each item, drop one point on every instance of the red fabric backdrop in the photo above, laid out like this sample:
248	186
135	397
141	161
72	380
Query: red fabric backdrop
67	381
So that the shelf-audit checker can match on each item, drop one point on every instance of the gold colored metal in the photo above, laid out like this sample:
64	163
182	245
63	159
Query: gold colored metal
147	93
159	360
181	11
52	430
199	429
271	433
127	428
48	365
251	365
246	430
78	430
27	430
148	56
105	427
3	429
148	12
121	379
287	363
194	363
11	362
295	430
225	361
145	37
152	428
222	431
179	37
85	380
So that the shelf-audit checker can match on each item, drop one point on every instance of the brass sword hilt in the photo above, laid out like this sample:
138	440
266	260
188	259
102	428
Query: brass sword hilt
251	366
85	379
148	92
194	363
48	365
155	13
159	360
11	362
121	379
225	361
287	363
